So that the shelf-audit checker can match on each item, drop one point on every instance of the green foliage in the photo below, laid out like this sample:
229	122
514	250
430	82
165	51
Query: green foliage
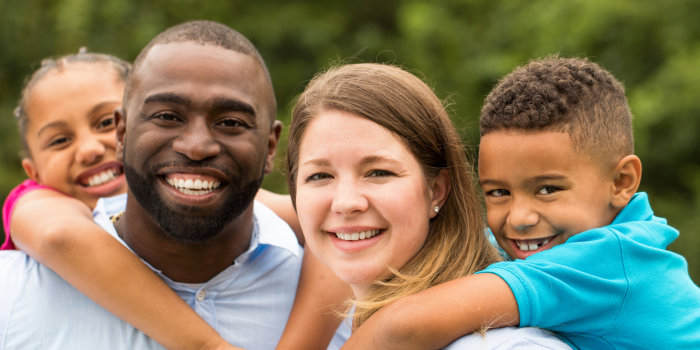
460	47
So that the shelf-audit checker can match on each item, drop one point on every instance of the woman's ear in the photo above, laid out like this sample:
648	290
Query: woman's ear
30	168
627	177
438	192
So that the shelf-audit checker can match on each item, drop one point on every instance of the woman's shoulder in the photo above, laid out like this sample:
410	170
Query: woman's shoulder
510	338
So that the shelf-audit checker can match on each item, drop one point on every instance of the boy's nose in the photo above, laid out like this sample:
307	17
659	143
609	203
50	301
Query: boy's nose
197	142
348	199
90	150
522	216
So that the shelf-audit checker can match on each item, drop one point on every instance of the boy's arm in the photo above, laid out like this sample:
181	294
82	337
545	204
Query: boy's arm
59	232
437	316
314	316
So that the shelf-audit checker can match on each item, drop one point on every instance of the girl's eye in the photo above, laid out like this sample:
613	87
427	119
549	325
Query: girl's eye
380	173
498	193
58	141
106	123
318	176
548	190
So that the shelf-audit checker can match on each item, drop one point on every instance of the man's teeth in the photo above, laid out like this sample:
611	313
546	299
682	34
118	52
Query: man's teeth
103	177
193	187
354	236
531	244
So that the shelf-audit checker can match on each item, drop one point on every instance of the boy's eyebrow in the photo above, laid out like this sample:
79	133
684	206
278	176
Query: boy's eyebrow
534	179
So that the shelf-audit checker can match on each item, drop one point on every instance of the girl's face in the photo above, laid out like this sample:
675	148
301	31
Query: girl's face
71	131
362	198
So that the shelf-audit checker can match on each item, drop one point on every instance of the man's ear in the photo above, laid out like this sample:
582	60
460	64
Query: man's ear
30	168
272	141
438	191
627	177
120	122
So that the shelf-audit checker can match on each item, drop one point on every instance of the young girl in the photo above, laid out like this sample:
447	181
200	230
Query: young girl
65	119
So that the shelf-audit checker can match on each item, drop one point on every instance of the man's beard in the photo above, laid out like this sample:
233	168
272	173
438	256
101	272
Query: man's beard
195	228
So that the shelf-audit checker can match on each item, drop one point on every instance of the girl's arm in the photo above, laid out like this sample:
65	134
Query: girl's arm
59	232
315	317
437	316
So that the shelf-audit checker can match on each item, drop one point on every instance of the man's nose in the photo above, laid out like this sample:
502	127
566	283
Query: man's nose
197	142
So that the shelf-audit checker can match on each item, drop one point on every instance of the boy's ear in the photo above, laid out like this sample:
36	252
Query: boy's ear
30	168
120	122
439	191
627	177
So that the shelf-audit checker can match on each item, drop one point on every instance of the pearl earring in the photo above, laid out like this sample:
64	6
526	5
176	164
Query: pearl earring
437	209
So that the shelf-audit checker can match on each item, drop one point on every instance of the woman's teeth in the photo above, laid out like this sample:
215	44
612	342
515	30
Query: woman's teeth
531	244
354	236
193	187
103	177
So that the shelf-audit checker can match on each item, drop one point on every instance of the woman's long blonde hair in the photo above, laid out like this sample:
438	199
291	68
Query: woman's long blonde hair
400	102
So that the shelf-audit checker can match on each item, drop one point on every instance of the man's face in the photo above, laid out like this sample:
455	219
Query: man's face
198	137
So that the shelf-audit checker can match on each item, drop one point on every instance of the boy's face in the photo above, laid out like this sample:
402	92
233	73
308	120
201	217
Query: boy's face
70	133
539	191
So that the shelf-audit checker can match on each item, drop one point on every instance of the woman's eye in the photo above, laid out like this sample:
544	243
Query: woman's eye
498	193
547	190
318	176
380	173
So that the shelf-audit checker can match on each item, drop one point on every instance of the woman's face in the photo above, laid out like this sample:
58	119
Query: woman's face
362	198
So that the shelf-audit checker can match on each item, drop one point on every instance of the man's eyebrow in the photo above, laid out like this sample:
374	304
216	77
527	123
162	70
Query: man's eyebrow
220	104
167	97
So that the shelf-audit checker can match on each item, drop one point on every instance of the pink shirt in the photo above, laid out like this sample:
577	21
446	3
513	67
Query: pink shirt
25	187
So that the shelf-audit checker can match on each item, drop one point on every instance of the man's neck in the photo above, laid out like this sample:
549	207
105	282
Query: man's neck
184	261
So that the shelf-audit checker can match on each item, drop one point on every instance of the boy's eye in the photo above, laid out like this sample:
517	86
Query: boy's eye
497	193
318	176
548	190
380	173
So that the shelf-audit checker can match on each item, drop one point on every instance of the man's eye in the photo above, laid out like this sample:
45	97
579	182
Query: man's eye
498	193
548	190
231	123
166	117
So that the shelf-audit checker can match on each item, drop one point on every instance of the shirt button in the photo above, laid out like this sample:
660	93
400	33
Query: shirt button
201	295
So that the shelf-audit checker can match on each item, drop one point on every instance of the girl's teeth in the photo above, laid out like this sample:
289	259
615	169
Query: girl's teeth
103	177
354	236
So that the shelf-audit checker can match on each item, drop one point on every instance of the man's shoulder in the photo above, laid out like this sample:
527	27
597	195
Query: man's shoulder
274	231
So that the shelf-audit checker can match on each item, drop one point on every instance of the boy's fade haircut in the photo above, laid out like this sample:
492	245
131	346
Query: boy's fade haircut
120	67
202	32
571	95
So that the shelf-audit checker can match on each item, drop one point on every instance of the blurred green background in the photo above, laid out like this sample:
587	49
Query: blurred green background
460	47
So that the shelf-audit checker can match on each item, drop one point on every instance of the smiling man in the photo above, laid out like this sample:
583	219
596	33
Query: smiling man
196	134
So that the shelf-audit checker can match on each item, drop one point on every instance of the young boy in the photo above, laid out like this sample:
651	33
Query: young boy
557	168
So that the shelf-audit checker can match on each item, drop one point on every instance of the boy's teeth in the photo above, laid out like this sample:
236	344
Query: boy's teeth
354	236
533	244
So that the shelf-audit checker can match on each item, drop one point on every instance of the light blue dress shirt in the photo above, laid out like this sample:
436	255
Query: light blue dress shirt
248	303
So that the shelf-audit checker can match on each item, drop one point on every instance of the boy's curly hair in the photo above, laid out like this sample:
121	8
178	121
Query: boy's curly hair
571	95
